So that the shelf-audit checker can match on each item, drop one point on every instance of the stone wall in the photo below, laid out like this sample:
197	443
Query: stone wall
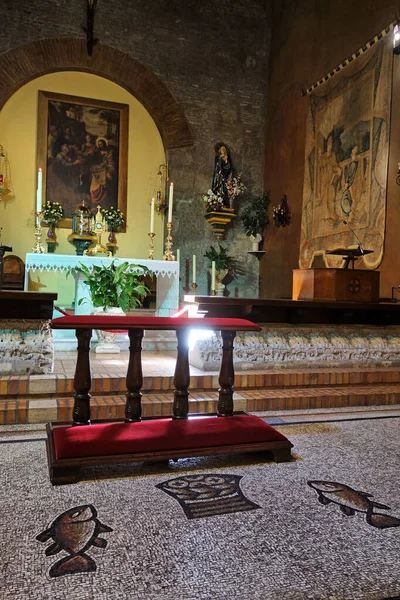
213	58
26	347
299	346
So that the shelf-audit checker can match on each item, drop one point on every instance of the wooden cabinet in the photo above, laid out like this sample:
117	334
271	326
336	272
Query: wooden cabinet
354	285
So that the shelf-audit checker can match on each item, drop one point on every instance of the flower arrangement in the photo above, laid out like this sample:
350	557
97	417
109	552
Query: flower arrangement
52	212
212	202
234	186
215	201
282	214
113	217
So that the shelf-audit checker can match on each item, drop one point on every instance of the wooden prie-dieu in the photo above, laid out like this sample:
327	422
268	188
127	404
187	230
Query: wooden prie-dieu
83	443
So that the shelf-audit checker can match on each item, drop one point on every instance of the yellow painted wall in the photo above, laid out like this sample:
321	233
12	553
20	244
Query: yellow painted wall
18	132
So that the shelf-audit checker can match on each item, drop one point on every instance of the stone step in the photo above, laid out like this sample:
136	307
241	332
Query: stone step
111	382
39	410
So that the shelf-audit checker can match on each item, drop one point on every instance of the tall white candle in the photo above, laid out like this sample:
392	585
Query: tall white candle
171	197
213	275
39	191
152	216
194	268
178	255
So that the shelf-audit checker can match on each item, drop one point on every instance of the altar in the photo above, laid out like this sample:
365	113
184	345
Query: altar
166	273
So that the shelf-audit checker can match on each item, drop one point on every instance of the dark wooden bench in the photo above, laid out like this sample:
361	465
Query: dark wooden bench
80	443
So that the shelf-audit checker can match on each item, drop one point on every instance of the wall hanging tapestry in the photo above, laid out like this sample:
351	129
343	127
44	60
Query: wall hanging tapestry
346	159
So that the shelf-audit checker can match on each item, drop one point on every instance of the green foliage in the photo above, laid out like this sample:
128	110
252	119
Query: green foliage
52	212
117	285
255	215
221	258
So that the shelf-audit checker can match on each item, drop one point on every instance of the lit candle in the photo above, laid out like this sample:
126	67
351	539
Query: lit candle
213	276
152	216
178	255
171	196
194	268
39	192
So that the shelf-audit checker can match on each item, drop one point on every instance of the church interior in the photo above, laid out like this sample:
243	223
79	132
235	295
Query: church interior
200	300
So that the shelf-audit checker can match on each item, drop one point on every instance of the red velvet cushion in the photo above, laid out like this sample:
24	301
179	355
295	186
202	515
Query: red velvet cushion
166	323
105	439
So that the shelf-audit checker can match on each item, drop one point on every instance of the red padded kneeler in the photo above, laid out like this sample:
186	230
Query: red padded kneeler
146	322
105	439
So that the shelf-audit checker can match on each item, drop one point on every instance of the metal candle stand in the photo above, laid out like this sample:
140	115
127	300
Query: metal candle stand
168	244
38	248
151	245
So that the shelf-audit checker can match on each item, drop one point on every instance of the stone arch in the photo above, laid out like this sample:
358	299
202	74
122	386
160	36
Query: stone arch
21	65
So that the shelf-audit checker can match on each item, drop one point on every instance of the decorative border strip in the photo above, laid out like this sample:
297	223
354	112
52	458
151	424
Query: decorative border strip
348	60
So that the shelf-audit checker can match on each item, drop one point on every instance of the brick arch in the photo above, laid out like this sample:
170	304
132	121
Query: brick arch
21	65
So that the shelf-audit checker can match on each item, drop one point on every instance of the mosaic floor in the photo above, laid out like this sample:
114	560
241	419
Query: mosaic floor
325	526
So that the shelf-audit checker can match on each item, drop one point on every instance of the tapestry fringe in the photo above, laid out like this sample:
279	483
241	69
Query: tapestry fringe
350	59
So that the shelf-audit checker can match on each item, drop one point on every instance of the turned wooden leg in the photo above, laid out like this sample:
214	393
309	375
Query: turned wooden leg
182	376
134	377
82	379
226	376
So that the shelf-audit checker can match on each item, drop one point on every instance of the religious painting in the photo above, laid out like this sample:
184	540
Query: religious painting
346	160
82	150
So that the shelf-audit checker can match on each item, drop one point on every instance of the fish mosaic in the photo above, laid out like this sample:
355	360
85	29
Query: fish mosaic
353	501
74	531
208	495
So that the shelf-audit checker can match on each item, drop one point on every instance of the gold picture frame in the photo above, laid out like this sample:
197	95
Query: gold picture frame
82	149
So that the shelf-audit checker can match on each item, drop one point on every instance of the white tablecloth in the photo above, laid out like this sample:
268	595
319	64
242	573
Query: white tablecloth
166	272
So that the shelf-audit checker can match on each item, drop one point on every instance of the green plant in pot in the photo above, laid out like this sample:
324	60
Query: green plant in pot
115	286
255	218
224	265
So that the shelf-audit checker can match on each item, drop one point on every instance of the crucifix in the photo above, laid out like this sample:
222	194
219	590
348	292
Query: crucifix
91	6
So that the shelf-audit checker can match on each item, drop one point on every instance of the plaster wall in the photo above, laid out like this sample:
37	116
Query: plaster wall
18	127
310	38
213	58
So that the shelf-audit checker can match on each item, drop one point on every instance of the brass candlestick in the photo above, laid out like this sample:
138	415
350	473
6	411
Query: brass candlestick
194	288
213	292
38	247
168	244
151	245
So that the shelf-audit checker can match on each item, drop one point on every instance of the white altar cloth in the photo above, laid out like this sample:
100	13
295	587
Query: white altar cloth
166	272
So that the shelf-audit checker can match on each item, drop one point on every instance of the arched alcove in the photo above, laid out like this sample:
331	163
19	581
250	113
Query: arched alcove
21	65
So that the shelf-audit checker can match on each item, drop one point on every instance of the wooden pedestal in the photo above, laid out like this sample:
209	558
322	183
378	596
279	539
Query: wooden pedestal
354	285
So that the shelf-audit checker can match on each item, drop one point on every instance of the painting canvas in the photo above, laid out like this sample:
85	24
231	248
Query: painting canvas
347	143
82	149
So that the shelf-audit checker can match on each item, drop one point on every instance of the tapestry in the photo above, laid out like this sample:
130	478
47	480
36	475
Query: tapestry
346	160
